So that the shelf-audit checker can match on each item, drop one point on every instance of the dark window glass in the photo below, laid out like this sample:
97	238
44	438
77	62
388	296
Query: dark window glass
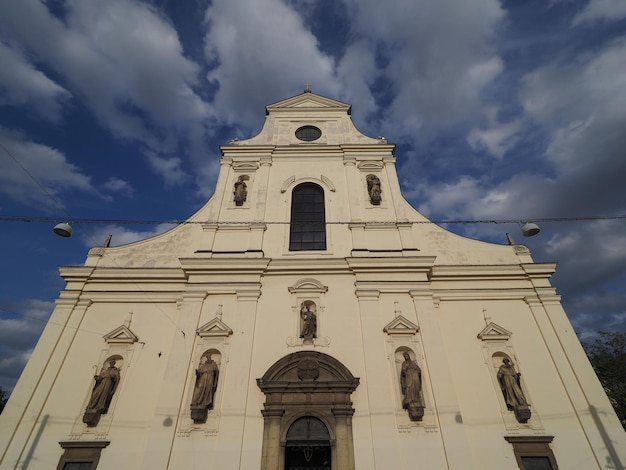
308	445
536	463
308	220
308	133
77	465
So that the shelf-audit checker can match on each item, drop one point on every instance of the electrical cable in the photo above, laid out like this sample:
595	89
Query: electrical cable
78	221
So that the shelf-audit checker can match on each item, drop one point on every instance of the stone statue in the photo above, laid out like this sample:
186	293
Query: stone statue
373	188
102	394
204	390
411	383
241	191
514	397
309	324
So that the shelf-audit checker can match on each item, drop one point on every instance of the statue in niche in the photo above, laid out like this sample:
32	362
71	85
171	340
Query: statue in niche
411	384
309	323
509	380
241	191
102	394
373	189
204	390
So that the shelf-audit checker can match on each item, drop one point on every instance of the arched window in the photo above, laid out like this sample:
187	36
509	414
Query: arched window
308	218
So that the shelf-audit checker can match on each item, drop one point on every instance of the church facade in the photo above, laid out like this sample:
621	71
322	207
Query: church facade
307	317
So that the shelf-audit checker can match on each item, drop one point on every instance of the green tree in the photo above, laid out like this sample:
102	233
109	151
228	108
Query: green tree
608	358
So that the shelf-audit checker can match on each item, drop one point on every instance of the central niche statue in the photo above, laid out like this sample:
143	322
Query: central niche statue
241	191
204	389
309	324
411	383
102	394
373	188
514	397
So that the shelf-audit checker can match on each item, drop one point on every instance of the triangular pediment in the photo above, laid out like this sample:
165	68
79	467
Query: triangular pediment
215	327
121	334
401	326
494	332
308	100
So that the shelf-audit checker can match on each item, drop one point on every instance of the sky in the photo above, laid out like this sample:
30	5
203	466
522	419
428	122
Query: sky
501	110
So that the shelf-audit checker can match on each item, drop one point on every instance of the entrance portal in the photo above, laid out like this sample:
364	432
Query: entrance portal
307	413
308	445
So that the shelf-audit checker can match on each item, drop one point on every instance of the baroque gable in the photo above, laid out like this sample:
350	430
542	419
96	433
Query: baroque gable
308	100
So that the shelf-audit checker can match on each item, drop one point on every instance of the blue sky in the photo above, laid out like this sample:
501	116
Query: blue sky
507	109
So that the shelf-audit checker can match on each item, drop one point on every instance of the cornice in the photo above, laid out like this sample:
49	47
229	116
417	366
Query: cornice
132	274
311	265
389	264
478	293
224	265
478	272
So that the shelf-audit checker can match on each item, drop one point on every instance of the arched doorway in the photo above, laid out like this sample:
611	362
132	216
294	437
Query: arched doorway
307	413
308	445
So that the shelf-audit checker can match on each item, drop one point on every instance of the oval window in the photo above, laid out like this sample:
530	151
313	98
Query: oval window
308	133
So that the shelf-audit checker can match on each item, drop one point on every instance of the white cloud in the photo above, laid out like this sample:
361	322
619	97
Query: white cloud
23	85
122	235
264	53
451	199
496	138
124	61
357	71
170	169
582	107
598	10
120	186
20	326
12	364
435	77
34	165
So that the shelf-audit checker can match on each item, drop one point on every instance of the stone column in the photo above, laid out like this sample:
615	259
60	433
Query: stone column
344	443
271	453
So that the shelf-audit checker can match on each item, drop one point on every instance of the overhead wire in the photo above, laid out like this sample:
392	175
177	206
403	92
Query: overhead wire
79	221
87	234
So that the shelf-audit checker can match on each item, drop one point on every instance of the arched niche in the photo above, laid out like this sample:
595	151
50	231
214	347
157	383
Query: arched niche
307	384
106	383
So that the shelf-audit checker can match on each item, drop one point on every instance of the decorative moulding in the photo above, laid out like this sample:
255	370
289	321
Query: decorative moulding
120	335
328	182
286	183
308	285
401	326
245	166
370	165
289	181
494	332
214	328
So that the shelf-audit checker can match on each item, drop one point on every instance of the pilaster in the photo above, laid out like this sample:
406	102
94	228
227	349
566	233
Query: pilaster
161	438
455	441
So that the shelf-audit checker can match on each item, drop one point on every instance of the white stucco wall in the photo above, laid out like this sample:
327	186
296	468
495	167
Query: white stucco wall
383	263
